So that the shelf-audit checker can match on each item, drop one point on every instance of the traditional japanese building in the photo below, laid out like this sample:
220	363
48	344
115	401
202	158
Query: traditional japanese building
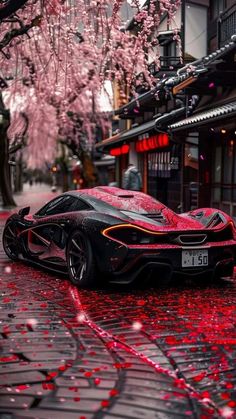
208	135
182	132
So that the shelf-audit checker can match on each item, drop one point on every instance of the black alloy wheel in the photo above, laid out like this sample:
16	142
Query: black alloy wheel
80	260
9	241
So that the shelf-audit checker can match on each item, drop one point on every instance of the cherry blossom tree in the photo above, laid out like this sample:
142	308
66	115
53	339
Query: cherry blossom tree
55	56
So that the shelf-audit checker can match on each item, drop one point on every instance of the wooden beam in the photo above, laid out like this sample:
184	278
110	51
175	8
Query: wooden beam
183	84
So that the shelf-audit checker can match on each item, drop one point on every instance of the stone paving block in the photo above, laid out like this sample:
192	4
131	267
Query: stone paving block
72	381
49	346
140	413
38	390
44	414
156	391
139	382
50	355
15	401
64	404
157	403
87	371
148	375
160	360
9	358
136	364
94	365
21	377
29	366
48	334
83	393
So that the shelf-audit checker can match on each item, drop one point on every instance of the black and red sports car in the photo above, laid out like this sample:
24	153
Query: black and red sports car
107	231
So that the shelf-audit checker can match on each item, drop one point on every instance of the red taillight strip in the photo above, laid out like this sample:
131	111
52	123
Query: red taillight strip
230	223
106	231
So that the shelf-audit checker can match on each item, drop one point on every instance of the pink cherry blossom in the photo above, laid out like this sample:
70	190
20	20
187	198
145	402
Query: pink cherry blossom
56	69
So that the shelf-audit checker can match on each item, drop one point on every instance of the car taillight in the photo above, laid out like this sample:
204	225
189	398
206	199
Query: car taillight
129	234
223	234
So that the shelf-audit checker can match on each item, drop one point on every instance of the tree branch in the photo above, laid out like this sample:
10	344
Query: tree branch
9	36
11	7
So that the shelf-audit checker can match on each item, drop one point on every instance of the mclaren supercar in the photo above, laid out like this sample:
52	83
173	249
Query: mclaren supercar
118	234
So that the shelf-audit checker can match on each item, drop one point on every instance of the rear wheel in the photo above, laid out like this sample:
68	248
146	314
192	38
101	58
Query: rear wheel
226	270
80	260
9	241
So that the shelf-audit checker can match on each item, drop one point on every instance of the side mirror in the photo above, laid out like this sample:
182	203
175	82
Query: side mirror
24	211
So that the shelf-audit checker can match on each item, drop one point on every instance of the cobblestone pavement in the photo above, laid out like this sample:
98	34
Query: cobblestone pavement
114	353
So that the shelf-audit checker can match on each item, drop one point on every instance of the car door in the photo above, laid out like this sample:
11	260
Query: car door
47	239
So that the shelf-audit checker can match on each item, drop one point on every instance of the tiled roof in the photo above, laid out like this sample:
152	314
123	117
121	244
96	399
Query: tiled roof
197	67
140	100
203	117
193	69
127	135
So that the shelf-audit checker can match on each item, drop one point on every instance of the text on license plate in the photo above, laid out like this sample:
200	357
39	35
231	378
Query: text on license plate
194	258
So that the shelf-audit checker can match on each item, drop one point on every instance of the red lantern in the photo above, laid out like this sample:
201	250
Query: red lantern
124	149
165	139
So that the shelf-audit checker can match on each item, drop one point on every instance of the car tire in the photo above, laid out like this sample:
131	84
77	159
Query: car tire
224	272
80	260
9	241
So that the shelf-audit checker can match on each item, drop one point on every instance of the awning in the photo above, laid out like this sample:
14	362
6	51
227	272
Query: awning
111	140
158	125
162	121
214	114
136	131
105	161
126	136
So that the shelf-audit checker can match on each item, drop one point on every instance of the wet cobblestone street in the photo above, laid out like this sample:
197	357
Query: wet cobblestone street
114	353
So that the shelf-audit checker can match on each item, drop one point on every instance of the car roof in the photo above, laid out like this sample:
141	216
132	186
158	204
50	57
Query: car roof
121	199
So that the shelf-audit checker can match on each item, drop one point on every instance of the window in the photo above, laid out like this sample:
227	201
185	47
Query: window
228	162
52	204
62	204
217	166
224	174
169	54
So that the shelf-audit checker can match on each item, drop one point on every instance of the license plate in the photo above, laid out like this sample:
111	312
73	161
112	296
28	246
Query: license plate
194	258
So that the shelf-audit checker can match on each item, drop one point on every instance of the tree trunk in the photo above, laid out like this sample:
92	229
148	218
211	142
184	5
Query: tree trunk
18	180
64	173
89	170
5	178
62	161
